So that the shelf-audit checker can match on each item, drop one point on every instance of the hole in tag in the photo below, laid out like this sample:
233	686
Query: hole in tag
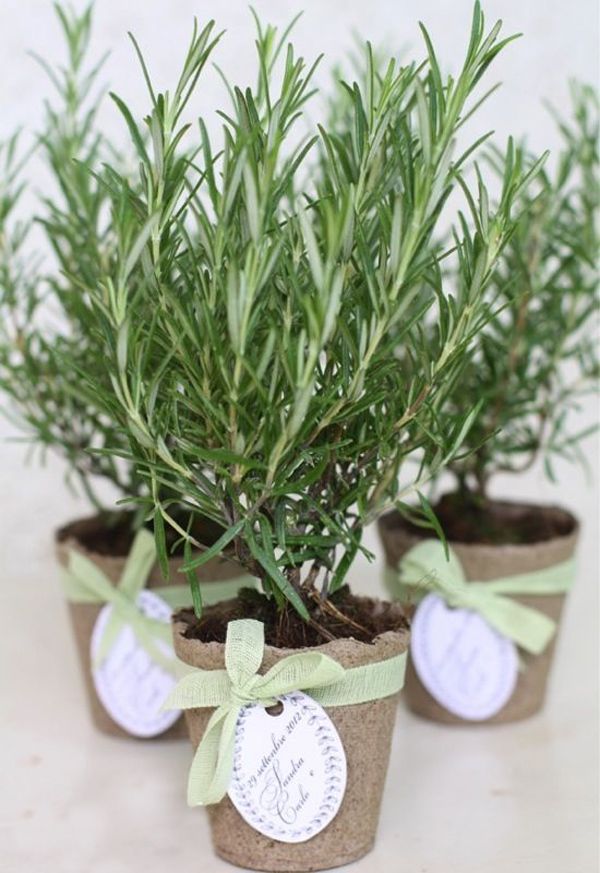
274	710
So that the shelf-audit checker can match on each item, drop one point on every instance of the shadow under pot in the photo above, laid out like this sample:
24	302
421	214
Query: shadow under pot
123	696
483	655
271	778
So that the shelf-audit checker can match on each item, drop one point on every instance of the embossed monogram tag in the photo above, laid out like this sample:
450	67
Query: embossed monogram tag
465	664
131	686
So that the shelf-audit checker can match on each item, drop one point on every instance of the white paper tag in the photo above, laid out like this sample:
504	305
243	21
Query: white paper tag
289	771
131	686
464	663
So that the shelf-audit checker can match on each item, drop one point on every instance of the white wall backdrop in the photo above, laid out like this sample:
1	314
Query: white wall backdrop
559	41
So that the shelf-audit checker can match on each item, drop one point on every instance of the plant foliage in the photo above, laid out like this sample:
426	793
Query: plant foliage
284	375
47	327
536	360
277	330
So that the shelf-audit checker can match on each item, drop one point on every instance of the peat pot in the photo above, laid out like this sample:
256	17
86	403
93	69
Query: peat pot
365	731
107	549
485	562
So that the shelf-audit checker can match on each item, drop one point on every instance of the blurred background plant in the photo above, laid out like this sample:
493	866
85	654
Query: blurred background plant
47	329
535	362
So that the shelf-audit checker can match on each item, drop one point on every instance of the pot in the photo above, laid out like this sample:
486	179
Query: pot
485	562
365	731
88	536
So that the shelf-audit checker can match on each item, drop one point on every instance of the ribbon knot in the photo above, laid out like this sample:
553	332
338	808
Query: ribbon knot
426	568
455	600
243	695
84	582
240	684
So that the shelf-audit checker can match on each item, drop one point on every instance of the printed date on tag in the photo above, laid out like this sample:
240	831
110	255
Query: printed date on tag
289	769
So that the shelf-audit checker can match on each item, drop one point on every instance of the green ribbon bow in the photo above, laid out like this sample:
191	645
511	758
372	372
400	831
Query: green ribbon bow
425	568
240	683
84	582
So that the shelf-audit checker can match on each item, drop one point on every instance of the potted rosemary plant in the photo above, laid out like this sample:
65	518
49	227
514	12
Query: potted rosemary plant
47	336
532	365
267	393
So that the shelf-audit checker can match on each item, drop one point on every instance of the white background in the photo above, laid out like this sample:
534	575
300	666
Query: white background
515	799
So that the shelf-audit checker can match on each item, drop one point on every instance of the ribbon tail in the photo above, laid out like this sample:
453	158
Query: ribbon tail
146	637
107	639
210	773
149	641
75	590
85	582
139	563
528	628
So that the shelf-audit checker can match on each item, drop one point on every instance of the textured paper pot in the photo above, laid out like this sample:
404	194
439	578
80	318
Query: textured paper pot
484	563
83	615
365	731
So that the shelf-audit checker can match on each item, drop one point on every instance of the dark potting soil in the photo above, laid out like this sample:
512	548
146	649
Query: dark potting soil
112	533
493	522
344	616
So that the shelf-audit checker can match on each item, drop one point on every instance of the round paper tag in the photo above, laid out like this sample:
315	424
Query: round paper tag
131	686
466	665
289	770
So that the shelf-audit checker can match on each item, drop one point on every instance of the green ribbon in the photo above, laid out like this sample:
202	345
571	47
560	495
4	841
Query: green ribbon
240	683
425	568
84	582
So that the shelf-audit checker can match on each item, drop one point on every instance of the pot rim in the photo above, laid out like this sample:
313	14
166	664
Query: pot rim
388	524
388	643
70	534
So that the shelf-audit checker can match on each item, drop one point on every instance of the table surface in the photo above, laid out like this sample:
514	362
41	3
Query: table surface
511	799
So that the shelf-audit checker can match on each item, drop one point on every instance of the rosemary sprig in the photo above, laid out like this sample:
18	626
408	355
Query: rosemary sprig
285	373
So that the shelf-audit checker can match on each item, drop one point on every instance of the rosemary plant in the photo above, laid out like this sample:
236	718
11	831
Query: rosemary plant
47	329
535	361
284	374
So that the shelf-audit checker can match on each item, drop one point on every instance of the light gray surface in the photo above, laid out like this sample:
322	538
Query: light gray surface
516	799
